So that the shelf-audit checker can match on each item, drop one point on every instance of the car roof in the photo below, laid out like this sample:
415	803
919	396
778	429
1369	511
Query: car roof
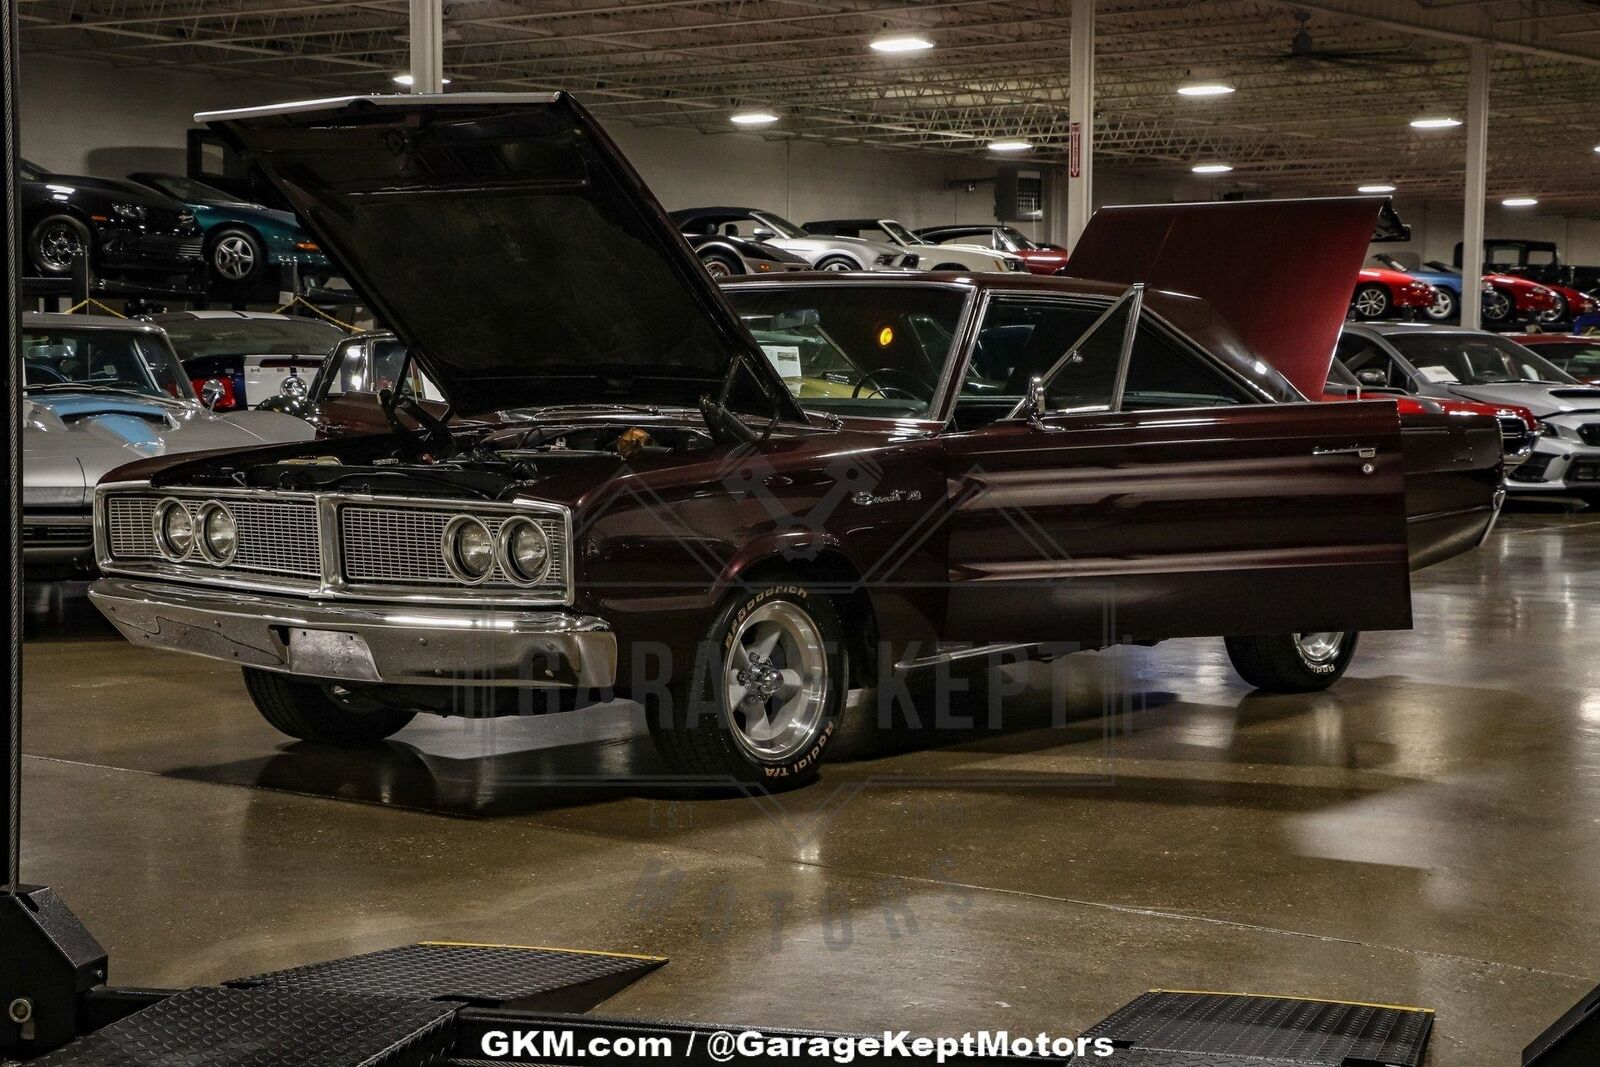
93	322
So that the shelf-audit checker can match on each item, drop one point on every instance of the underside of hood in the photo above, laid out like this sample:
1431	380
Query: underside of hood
506	240
1279	271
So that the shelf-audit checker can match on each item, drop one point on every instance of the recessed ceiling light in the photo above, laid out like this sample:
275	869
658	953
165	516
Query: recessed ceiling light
1597	148
1205	89
1519	201
1376	187
408	81
1211	168
1440	122
1010	146
901	42
754	117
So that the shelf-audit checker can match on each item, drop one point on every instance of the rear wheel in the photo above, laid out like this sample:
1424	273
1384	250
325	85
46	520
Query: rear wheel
1370	302
321	711
1292	663
763	698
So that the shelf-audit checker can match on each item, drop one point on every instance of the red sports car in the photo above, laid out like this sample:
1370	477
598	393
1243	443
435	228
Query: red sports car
1508	298
1382	293
1569	304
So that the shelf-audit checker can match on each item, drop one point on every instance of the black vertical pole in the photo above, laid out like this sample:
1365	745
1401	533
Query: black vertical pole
11	777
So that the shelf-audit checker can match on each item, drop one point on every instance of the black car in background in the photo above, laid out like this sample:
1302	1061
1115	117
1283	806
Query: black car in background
130	232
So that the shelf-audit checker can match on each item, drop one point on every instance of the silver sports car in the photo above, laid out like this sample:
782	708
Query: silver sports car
822	252
100	392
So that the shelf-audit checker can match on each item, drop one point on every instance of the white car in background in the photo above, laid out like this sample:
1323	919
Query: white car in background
930	256
823	253
249	352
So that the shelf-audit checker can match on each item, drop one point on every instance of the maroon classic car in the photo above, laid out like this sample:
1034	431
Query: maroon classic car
738	532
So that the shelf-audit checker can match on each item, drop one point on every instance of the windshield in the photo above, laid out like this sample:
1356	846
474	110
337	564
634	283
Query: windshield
31	172
250	337
874	351
1019	242
1578	360
1475	359
778	224
188	189
900	233
131	360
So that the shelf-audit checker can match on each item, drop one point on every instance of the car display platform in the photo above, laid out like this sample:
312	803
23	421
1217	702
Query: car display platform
1167	1028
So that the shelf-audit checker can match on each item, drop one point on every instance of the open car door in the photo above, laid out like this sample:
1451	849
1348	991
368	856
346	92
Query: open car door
1140	494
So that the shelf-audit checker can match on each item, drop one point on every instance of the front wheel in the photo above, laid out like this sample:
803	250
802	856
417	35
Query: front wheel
1370	302
719	266
236	257
763	697
837	263
321	711
1498	307
1555	312
1443	308
1292	663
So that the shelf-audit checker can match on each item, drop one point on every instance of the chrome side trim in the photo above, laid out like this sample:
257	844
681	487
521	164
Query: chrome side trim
366	643
955	655
1494	517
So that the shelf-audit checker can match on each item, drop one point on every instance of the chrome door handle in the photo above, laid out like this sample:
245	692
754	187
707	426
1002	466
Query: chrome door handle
1361	451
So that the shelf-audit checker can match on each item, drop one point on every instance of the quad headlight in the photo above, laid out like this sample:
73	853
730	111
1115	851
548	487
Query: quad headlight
468	549
219	534
524	550
173	529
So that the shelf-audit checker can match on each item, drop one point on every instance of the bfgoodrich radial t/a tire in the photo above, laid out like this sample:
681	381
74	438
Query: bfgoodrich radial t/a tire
316	711
1292	663
762	700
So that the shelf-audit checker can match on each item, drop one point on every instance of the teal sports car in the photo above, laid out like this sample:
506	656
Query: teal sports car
243	242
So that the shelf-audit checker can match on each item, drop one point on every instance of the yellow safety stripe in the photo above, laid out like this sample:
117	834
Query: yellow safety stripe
309	306
1309	1000
547	948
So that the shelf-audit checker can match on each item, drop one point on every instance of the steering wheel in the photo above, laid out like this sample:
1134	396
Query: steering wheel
876	376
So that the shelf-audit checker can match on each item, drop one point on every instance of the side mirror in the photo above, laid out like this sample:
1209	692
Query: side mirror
212	392
1372	376
761	233
1034	402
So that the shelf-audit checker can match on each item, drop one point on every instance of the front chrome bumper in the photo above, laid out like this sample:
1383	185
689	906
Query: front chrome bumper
372	643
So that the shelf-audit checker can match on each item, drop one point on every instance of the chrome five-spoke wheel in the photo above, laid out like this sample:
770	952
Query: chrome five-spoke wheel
776	681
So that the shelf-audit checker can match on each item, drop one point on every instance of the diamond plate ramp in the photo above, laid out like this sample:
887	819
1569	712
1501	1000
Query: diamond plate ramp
268	1028
507	976
1239	1030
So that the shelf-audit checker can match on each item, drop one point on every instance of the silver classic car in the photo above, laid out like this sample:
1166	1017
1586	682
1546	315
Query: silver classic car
101	392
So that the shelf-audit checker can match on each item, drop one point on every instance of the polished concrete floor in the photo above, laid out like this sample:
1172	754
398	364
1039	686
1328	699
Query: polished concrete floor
1427	833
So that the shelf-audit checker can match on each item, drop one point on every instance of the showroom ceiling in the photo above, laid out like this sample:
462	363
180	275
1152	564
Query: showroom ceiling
1319	115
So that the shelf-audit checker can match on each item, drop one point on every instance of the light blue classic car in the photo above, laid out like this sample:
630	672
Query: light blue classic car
243	242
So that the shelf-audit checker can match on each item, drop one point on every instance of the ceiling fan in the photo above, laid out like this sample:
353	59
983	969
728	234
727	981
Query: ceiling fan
1304	54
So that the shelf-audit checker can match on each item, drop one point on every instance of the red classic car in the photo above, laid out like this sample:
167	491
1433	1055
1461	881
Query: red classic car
901	473
1382	293
1518	426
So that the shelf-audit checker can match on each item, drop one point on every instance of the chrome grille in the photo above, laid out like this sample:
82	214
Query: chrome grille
397	546
387	548
275	536
128	526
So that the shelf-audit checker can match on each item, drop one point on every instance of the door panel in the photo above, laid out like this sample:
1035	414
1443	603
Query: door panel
1255	518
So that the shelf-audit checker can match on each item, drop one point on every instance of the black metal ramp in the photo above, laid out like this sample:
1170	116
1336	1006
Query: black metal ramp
268	1028
496	976
1165	1028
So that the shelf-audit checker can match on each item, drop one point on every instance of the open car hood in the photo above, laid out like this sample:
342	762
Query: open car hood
507	241
1279	271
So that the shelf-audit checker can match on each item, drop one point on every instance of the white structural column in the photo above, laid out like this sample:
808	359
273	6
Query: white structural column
427	46
1477	180
1080	140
